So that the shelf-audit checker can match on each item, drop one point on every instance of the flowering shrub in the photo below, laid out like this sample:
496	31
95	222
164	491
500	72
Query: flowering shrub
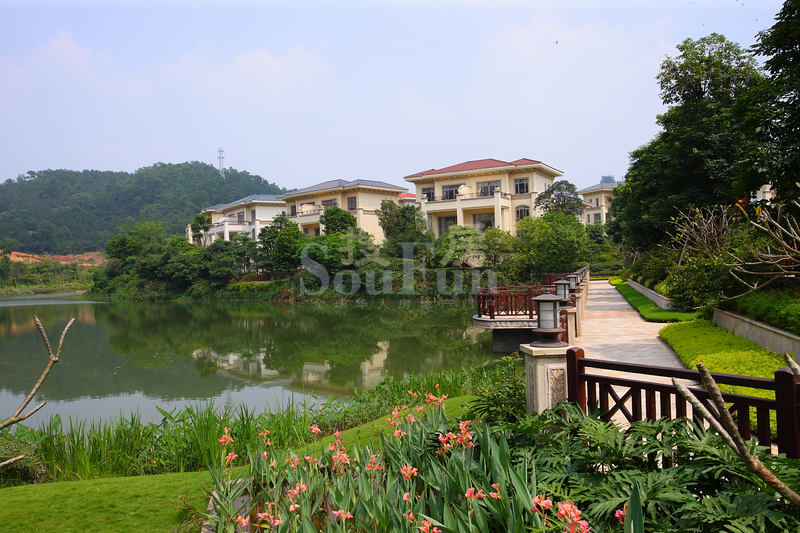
428	478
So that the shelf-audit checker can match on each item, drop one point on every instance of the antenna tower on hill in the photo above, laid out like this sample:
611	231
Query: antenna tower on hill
221	157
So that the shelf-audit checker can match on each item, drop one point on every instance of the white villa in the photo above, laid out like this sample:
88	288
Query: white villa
483	193
247	215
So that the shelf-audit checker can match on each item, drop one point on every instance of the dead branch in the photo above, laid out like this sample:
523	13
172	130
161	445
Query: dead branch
17	416
726	427
12	461
779	259
792	364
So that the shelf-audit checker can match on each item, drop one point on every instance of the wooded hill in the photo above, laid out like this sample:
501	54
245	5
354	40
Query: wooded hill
67	211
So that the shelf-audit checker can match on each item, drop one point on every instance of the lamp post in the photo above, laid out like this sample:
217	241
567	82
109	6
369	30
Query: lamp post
562	289
573	282
548	314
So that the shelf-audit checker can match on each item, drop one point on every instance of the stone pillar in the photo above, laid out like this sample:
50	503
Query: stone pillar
572	324
545	376
459	211
225	233
578	312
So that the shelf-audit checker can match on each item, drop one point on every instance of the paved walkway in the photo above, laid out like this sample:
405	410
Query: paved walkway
614	330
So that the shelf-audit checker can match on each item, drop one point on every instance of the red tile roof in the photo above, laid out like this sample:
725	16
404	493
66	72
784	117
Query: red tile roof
478	164
406	195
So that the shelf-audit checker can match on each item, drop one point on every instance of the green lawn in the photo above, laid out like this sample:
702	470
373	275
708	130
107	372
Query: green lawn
158	503
650	311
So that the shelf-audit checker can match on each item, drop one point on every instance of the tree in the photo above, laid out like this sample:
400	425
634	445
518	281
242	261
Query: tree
266	244
336	220
200	225
560	196
554	242
286	252
7	245
770	111
401	224
692	161
459	246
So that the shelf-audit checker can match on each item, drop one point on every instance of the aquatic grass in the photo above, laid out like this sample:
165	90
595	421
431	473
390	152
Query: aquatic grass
187	439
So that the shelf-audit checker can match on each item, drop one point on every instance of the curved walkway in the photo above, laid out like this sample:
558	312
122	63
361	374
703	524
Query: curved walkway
614	330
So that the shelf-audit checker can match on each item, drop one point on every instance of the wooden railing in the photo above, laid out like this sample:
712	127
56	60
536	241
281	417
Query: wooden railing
509	301
642	399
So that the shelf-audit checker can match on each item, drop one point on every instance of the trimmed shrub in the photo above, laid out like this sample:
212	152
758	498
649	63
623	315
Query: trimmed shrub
698	282
777	308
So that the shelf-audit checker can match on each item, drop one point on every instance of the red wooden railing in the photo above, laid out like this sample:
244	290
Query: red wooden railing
510	301
637	400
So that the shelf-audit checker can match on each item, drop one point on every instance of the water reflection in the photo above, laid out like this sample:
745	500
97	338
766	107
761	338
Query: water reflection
135	356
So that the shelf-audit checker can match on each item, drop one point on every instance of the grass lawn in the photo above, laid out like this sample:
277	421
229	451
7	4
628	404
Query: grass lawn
722	351
650	311
157	503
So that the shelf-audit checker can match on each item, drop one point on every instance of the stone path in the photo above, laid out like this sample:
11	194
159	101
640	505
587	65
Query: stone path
614	330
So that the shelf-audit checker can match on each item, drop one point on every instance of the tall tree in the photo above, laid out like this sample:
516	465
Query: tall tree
770	111
561	196
692	161
401	224
336	220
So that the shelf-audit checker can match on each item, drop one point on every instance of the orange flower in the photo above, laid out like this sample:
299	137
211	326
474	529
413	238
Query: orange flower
230	457
408	471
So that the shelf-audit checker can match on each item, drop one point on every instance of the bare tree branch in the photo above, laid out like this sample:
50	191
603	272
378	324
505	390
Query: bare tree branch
17	416
12	461
727	429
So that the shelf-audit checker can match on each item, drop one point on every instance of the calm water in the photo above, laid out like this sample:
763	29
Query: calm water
122	357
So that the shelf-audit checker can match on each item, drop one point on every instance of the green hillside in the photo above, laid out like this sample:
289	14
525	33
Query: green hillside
67	211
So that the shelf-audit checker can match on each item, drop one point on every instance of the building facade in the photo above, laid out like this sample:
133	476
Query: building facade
483	193
362	198
597	201
247	215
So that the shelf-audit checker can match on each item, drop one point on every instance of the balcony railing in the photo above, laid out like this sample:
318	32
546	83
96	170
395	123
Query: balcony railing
466	196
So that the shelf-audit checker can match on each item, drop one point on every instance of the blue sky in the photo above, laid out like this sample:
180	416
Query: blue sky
301	92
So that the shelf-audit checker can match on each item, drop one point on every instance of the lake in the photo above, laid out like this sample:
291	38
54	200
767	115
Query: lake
124	356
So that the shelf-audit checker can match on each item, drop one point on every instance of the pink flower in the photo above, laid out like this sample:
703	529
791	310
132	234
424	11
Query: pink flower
226	437
243	521
413	394
315	429
399	433
293	507
263	433
230	457
342	514
541	501
293	461
620	514
426	527
408	472
406	497
495	495
410	516
473	494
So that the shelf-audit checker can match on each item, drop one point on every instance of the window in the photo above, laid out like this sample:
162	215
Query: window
293	210
487	188
430	221
427	192
444	223
597	202
449	192
316	231
329	203
351	203
521	187
597	218
483	221
240	217
522	211
252	215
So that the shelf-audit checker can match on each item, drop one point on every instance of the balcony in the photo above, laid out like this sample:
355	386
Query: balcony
466	201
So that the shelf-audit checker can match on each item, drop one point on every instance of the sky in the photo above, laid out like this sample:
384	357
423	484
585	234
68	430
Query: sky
301	92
